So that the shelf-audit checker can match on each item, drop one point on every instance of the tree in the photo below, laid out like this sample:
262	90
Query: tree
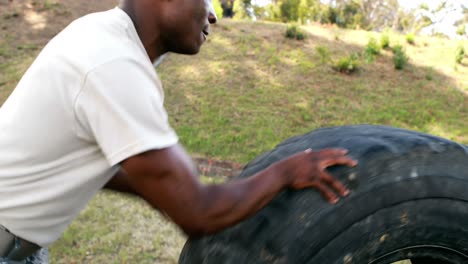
404	21
304	11
428	18
272	12
463	22
308	10
461	30
367	14
240	9
289	10
379	14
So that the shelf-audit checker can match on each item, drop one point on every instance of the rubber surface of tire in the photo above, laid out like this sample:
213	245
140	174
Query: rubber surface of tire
409	198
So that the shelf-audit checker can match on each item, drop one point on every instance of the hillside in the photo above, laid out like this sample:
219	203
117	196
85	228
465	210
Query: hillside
250	87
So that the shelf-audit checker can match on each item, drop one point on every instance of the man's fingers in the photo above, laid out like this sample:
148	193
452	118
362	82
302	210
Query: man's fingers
335	184
328	194
339	161
333	152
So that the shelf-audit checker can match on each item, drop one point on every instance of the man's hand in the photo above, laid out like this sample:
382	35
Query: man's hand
308	169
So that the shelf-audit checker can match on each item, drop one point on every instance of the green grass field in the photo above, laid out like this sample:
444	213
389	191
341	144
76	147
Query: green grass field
249	89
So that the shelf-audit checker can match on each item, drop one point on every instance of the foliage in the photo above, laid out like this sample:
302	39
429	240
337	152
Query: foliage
400	59
347	64
372	50
461	29
404	21
271	12
430	74
308	11
374	15
324	54
218	8
432	15
349	16
385	41
293	31
289	10
410	38
459	54
240	9
328	15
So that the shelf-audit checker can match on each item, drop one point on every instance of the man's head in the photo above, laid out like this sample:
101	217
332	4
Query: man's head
179	26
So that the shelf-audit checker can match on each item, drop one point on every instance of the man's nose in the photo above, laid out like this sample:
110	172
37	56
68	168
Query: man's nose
212	18
211	14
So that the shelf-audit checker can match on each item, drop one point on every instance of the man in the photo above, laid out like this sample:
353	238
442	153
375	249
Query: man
89	114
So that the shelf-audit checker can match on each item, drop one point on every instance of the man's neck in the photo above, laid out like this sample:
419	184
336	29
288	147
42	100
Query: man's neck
147	34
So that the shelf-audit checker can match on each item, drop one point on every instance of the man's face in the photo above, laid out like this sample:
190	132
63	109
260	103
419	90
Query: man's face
186	25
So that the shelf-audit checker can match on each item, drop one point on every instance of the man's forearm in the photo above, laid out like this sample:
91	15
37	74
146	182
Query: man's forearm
223	205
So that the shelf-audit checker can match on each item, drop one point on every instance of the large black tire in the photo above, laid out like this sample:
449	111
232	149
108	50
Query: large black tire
409	200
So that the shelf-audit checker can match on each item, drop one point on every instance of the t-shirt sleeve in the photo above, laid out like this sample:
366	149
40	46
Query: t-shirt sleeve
121	108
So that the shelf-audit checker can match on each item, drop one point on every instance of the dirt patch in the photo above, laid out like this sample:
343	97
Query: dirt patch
35	22
217	168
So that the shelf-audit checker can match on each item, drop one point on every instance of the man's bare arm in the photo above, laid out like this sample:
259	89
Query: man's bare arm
120	182
168	181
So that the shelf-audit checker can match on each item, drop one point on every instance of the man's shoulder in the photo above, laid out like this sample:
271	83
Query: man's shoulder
96	39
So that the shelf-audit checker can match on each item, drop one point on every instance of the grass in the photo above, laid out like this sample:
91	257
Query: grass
249	89
118	229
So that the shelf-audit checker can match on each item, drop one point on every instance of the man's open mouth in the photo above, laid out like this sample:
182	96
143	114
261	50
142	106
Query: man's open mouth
205	33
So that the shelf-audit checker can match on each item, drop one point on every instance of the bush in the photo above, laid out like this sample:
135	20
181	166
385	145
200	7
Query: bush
460	54
294	32
384	41
461	30
372	49
348	64
399	57
430	74
410	38
324	54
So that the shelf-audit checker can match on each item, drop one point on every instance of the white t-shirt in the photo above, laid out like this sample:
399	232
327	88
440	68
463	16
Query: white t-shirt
91	99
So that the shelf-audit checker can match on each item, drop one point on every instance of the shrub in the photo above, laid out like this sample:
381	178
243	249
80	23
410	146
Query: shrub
384	41
430	74
461	30
294	32
410	38
399	57
372	49
460	54
324	54
348	64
